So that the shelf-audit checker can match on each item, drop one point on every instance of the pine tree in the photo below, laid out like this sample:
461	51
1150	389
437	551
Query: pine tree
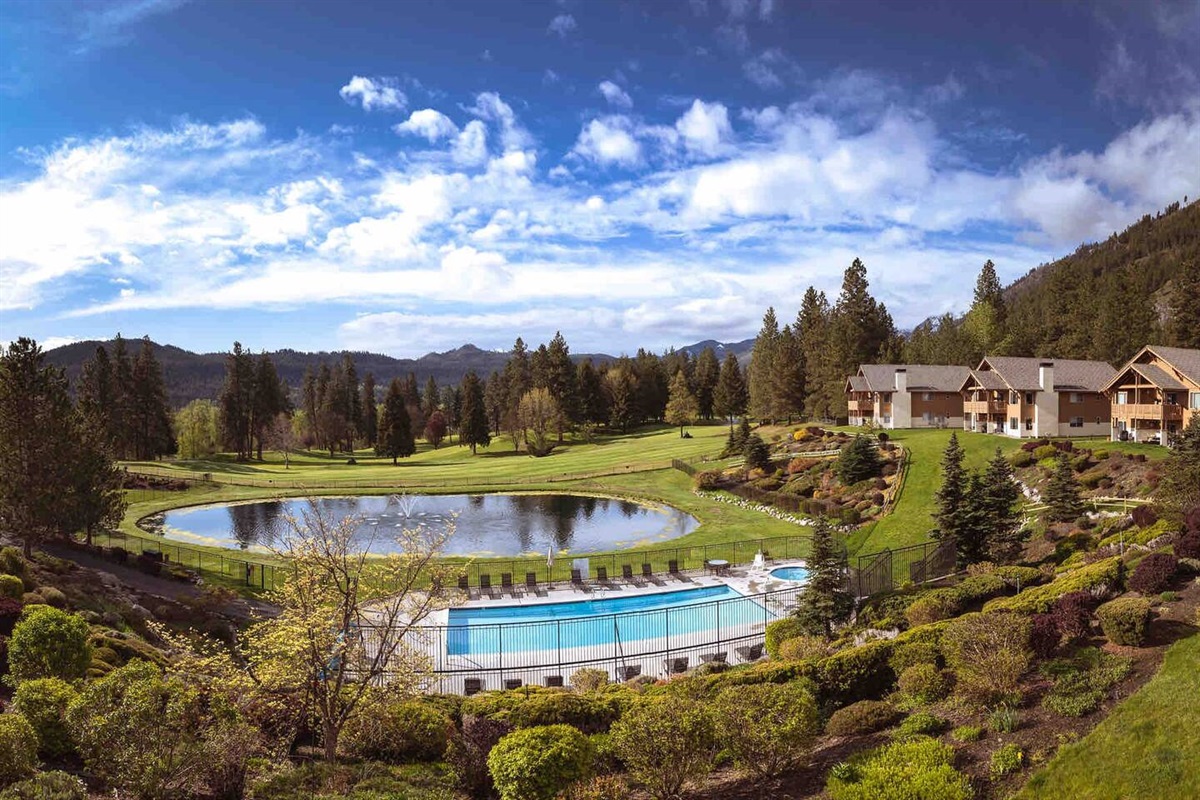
352	407
821	371
369	424
950	498
474	430
762	368
1184	325
825	601
95	496
983	325
97	396
518	379
971	537
708	373
862	333
121	415
787	389
395	428
309	401
236	401
1178	492
730	398
1062	496
620	386
268	401
562	383
592	408
756	452
1001	494
650	388
682	407
858	461
431	397
495	399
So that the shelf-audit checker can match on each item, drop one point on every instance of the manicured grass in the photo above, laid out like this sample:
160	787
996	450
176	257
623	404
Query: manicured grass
1146	748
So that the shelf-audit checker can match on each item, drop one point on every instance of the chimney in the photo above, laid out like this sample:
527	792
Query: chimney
901	380
1046	376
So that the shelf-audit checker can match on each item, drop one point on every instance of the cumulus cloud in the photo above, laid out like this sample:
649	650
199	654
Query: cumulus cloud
428	122
562	25
615	95
373	94
771	69
609	140
704	128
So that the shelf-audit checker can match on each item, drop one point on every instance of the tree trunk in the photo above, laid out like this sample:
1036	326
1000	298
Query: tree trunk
330	737
88	535
28	549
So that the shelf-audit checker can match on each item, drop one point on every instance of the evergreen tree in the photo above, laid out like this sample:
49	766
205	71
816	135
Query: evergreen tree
97	397
39	440
620	385
474	425
95	497
972	537
518	379
150	415
787	390
1001	494
730	398
309	405
1179	490
430	398
395	436
121	415
858	461
495	399
682	407
369	423
861	330
412	402
950	498
983	325
762	368
236	401
269	400
1062	496
352	409
562	383
825	601
708	373
821	369
756	452
452	408
592	408
1184	325
651	387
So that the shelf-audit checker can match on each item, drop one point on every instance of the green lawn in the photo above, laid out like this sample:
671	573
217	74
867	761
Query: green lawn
1147	748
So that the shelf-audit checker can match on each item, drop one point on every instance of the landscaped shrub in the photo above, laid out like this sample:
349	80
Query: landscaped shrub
591	713
1144	516
397	731
921	768
856	673
44	701
12	586
865	716
1045	451
49	643
47	786
908	654
12	562
988	653
933	606
1098	579
1004	719
967	733
538	763
1188	544
780	630
921	724
1020	577
468	753
1081	681
923	683
799	648
858	461
1153	573
768	727
1072	614
756	453
666	743
18	748
52	596
1044	635
1006	760
1124	620
1021	459
981	587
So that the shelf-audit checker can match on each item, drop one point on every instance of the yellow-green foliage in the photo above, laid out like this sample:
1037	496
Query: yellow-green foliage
44	703
1124	620
397	731
920	768
49	643
1142	536
768	727
538	763
780	630
12	586
1100	577
933	606
18	748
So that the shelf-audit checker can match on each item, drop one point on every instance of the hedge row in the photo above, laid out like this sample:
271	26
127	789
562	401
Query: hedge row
1099	579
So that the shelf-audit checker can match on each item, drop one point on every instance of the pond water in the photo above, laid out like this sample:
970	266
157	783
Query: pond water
489	524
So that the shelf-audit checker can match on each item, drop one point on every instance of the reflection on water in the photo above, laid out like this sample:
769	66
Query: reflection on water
486	524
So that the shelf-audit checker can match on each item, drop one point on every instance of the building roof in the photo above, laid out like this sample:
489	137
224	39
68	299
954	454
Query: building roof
1186	362
858	383
1021	374
921	377
987	379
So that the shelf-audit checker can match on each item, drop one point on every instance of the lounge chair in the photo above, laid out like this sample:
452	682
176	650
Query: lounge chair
531	584
648	575
720	658
554	681
485	584
512	683
472	686
602	575
464	584
627	575
675	666
506	584
750	653
629	672
577	581
673	571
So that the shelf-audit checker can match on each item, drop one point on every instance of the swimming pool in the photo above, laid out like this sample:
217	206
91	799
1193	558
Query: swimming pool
585	623
790	573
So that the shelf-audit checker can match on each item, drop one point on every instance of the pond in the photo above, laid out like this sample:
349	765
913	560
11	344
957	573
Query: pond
488	524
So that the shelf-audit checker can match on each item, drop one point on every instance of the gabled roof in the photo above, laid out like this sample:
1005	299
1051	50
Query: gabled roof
921	377
857	383
1186	362
1021	374
987	379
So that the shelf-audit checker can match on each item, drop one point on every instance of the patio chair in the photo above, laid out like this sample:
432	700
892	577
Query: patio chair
485	584
554	681
648	575
719	658
512	683
472	686
627	575
602	575
464	584
675	666
531	584
629	672
506	584
750	652
577	581
673	571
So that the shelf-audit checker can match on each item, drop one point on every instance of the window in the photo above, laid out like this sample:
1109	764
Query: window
1122	398
886	397
1194	401
1029	398
1013	399
926	418
1172	399
1012	423
1076	397
926	396
1029	423
1076	422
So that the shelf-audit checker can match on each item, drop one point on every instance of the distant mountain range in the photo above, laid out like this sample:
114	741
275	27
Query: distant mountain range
191	375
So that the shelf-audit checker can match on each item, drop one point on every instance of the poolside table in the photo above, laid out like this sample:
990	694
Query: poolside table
718	565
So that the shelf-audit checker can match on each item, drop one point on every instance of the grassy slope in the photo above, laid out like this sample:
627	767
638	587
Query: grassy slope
1146	748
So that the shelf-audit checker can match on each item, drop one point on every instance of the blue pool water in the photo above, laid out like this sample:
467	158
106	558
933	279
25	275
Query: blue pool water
790	573
550	626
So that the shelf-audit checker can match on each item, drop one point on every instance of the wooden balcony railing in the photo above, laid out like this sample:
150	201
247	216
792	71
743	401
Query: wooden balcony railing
985	407
1160	411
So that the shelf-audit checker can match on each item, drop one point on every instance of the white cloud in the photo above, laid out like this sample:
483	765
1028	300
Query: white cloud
372	94
428	122
489	106
771	69
609	140
470	146
704	128
51	342
562	25
615	95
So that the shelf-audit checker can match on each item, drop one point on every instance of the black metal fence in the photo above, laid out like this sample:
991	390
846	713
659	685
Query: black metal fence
469	657
145	552
886	570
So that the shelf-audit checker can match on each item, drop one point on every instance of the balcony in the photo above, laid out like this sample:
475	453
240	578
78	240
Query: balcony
985	407
860	405
1154	411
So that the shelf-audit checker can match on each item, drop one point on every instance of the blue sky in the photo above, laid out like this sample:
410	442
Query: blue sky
408	176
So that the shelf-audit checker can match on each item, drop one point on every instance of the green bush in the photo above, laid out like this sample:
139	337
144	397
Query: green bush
666	743
1021	577
865	716
591	713
1004	719
49	643
923	683
397	732
12	562
1021	459
1006	760
988	653
909	654
589	679
856	673
981	587
907	770
799	648
921	724
44	701
967	733
767	728
47	786
1045	451
538	763
781	630
1072	703
12	586
933	606
1098	578
18	748
1124	620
